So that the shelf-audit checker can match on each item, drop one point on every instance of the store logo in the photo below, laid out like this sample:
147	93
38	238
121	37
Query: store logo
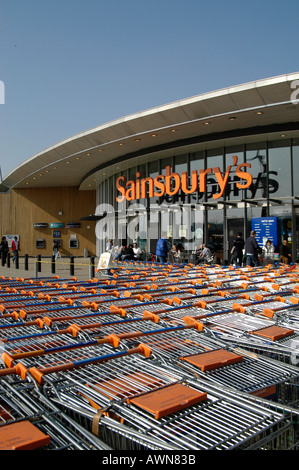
2	92
295	94
172	182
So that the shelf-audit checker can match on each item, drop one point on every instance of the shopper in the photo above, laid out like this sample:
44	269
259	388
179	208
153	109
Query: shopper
268	252
15	248
205	255
55	249
252	250
198	252
121	251
162	249
3	250
237	250
176	254
109	245
128	253
285	253
137	252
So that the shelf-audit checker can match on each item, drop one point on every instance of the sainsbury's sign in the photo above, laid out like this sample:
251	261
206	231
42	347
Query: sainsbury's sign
171	183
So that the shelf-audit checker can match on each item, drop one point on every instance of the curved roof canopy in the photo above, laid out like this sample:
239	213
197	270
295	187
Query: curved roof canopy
263	107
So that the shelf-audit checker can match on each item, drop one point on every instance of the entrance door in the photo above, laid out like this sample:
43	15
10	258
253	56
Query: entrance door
233	226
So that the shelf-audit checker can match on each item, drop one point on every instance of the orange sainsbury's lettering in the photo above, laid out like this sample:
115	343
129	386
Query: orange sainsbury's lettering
138	185
244	175
172	177
120	188
185	182
222	181
144	182
202	179
172	182
160	185
131	192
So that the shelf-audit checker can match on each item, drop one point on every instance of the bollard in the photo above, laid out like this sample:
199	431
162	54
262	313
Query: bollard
36	267
53	265
26	262
8	260
91	267
72	266
17	261
39	265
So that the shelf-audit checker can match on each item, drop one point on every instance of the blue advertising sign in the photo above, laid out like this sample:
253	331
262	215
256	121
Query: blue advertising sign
266	229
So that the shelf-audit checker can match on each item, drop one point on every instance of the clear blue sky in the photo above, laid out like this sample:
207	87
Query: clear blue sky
71	65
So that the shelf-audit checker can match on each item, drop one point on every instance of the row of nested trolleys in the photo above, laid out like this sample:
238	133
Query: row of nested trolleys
151	357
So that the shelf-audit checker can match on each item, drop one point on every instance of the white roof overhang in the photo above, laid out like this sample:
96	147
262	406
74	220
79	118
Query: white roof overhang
260	107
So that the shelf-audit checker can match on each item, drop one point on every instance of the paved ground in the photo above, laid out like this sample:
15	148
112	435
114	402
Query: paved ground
82	269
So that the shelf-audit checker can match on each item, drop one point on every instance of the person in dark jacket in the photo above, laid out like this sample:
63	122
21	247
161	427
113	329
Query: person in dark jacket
285	253
162	250
237	250
128	253
3	250
252	250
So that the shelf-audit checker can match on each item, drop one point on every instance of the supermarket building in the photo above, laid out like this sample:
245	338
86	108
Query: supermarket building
198	170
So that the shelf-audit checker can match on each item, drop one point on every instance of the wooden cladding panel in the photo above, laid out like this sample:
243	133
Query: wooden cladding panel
21	208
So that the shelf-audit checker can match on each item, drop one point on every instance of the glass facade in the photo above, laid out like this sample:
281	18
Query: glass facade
205	196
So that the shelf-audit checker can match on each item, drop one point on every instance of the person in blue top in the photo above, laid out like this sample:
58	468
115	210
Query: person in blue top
162	249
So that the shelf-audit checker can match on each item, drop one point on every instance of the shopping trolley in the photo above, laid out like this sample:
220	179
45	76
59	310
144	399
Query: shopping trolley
133	391
28	421
260	334
81	347
212	359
